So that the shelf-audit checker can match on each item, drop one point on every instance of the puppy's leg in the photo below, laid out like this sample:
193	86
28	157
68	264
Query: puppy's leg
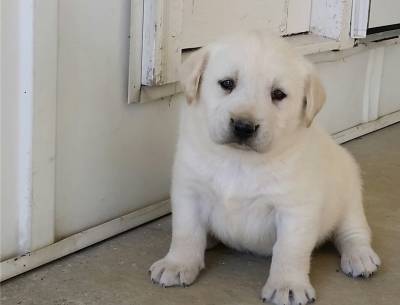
352	238
186	254
288	281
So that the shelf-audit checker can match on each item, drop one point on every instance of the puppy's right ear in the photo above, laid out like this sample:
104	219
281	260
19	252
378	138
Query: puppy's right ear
191	72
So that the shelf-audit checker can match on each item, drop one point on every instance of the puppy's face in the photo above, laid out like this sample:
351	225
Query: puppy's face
255	91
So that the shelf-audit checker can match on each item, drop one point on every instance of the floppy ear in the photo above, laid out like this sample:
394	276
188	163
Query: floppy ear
314	97
191	72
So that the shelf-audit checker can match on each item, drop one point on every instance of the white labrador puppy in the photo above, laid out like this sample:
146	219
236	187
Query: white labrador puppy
252	170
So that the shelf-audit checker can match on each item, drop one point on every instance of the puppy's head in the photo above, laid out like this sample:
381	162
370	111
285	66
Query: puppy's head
254	89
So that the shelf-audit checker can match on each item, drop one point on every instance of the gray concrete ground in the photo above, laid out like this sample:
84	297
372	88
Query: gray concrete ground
115	271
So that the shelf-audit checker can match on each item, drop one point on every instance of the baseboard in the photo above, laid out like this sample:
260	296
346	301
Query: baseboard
17	265
362	129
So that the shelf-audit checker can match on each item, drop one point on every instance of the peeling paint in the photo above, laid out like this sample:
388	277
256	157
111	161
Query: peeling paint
327	17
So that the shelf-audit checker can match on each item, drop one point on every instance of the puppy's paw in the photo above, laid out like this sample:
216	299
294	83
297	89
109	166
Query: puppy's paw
285	293
359	261
167	272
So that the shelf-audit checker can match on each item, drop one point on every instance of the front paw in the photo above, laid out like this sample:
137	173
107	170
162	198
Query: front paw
287	292
168	272
359	261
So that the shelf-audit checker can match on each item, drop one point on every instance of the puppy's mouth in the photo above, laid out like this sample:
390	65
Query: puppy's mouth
242	145
252	144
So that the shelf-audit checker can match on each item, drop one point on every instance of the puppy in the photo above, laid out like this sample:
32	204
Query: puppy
255	172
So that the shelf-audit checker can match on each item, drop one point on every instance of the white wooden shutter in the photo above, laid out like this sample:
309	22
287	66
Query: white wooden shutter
161	32
171	26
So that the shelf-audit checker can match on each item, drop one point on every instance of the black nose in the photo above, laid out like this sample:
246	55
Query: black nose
243	128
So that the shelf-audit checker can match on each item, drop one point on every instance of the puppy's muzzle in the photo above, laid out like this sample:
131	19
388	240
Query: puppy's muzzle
243	129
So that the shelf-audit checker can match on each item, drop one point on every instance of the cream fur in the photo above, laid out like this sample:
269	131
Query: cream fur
289	189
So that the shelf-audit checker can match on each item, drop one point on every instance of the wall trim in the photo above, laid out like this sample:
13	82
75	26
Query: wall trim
15	266
365	128
359	18
135	51
25	66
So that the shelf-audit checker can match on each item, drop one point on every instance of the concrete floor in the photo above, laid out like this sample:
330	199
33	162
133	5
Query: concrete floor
115	271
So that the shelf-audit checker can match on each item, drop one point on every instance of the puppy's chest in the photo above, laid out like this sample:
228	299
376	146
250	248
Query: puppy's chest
241	201
242	214
238	186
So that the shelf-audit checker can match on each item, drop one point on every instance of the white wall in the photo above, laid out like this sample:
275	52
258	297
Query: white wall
112	158
390	90
344	81
361	85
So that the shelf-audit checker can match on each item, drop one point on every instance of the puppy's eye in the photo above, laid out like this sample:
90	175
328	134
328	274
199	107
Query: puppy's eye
277	95
227	84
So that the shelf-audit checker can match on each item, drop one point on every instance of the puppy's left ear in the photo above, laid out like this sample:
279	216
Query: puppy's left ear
315	96
190	73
